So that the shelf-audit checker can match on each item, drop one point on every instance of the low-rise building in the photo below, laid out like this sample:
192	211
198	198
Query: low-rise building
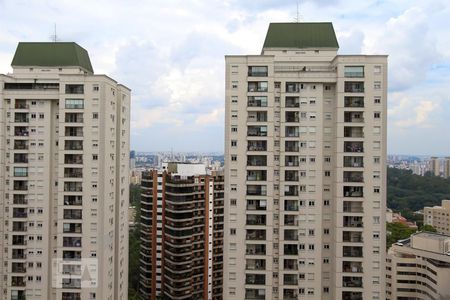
419	268
438	217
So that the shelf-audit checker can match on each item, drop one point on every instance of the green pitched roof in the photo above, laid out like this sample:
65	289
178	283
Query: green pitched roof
301	35
52	55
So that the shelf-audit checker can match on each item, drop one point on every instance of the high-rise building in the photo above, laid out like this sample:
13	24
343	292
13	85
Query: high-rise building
305	171
447	167
64	172
181	233
438	217
435	166
419	268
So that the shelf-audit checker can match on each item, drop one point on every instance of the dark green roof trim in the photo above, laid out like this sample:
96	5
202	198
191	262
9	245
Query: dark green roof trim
301	35
52	55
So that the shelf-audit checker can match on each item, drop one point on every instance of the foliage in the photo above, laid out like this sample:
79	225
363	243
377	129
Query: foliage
133	245
397	231
428	228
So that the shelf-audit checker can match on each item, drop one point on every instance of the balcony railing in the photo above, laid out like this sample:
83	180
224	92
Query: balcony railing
257	249
255	234
354	101
350	221
354	87
255	279
352	267
353	147
354	282
349	251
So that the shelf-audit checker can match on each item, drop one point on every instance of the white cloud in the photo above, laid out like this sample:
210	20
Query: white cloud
216	116
422	113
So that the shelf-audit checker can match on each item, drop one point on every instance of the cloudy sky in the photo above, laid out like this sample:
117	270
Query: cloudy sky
171	54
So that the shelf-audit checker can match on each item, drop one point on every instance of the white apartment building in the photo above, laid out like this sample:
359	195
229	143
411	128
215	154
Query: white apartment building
419	268
64	162
305	176
438	217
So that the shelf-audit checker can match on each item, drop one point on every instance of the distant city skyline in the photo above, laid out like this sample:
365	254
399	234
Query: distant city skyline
172	56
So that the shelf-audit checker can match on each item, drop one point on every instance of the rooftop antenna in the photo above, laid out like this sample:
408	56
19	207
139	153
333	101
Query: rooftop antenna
54	36
297	18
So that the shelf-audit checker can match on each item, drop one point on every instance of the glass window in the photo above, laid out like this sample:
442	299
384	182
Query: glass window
354	71
74	103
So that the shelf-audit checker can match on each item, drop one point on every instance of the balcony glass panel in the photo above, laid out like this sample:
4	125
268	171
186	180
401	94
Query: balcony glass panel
353	176
257	86
354	87
290	249
255	249
255	279
354	101
257	71
257	101
353	117
292	102
292	116
353	191
256	220
257	130
354	147
291	161
353	161
74	89
256	190
256	204
257	175
257	116
257	145
255	264
354	71
74	103
290	235
256	234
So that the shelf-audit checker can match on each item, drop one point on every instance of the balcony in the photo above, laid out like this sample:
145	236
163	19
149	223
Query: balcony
257	101
352	237
72	255
255	294
290	279
353	207
352	296
353	222
21	118
291	205
290	294
257	71
20	145
257	86
290	235
20	158
290	175
353	161
292	131
255	249
290	249
354	87
292	102
19	254
290	220
69	283
21	104
257	116
19	240
291	146
257	145
21	131
20	199
354	117
20	172
73	172
256	160
354	147
291	190
18	281
72	269
352	251
255	264
293	87
72	242
73	131
256	190
353	191
31	86
291	161
73	159
73	200
18	267
71	296
72	228
256	220
74	118
354	101
353	176
256	204
20	185
73	186
74	89
73	214
292	117
290	265
19	226
353	282
255	235
257	130
353	132
354	71
255	279
352	267
73	145
257	175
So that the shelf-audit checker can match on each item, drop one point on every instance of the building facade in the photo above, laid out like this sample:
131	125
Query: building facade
419	268
64	164
181	233
305	175
438	217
